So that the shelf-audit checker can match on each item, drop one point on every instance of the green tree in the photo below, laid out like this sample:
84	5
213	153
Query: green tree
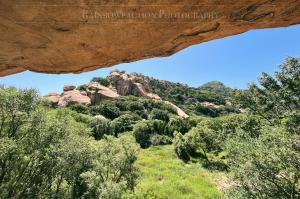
265	163
182	146
159	115
46	154
107	109
113	170
101	80
124	123
100	126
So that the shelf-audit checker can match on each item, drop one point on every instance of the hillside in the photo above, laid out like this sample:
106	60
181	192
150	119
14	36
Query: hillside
115	138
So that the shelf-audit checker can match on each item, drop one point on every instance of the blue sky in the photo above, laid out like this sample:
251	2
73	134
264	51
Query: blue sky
235	61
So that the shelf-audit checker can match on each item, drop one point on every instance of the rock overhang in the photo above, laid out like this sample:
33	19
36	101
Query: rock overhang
77	36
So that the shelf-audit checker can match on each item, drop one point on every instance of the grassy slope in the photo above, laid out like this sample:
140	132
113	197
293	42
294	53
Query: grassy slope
165	176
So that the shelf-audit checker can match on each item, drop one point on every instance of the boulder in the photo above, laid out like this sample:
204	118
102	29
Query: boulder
73	97
179	111
96	92
130	84
53	98
69	87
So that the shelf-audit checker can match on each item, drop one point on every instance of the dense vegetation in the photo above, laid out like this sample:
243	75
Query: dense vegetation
194	100
133	147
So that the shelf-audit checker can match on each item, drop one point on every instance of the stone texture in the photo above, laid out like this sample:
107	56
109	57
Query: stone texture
97	92
73	97
130	84
63	36
179	111
69	87
53	98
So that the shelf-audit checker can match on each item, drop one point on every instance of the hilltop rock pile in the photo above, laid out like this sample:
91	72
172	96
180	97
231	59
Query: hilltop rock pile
92	93
129	84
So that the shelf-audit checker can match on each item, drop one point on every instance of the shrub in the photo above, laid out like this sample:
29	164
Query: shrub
159	115
156	139
143	131
100	127
124	123
181	146
101	80
82	87
80	108
177	124
107	109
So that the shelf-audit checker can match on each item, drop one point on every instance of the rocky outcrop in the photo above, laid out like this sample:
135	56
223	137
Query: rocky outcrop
73	97
93	93
97	92
69	87
179	111
53	98
130	84
64	36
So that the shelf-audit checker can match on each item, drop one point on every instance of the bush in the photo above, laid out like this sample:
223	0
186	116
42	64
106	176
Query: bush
181	146
82	87
107	109
80	108
124	123
100	127
160	140
177	124
143	131
159	115
101	80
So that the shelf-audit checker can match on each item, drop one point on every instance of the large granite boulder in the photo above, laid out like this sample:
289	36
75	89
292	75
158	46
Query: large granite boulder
130	84
73	97
53	98
96	92
69	87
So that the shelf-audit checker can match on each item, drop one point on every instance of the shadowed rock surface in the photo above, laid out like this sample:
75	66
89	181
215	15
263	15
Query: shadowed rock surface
62	36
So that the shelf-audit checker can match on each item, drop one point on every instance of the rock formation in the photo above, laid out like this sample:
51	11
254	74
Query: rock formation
129	84
179	111
63	36
72	97
97	92
53	98
93	93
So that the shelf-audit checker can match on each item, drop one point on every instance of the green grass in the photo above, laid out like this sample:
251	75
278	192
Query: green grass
165	176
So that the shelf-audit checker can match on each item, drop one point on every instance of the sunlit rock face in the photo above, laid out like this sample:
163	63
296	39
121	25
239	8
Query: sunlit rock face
64	36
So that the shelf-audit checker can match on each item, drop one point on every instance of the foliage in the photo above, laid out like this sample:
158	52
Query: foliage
182	146
177	124
124	123
80	108
107	109
276	96
101	80
159	115
82	87
188	98
271	162
100	126
143	131
48	154
113	171
265	163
